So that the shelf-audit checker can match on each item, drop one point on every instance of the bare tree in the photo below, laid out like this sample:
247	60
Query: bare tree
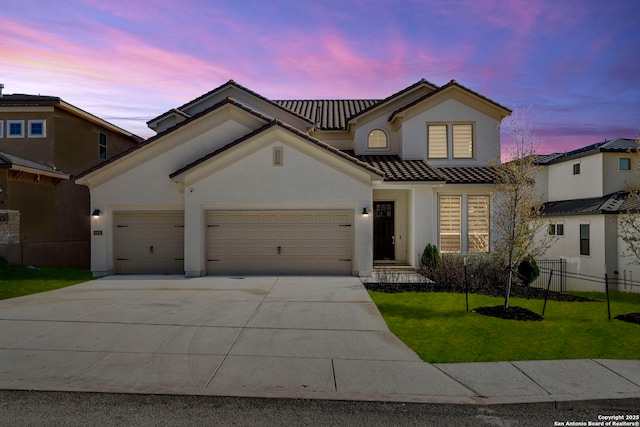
629	223
519	227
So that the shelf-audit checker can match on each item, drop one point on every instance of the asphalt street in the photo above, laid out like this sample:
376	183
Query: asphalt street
24	408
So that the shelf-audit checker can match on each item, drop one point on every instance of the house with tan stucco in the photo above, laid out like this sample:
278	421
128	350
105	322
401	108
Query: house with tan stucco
44	142
234	183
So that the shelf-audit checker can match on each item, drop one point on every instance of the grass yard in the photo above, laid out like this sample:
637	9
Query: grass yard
18	280
438	328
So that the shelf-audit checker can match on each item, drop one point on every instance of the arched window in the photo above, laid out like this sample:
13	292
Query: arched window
377	139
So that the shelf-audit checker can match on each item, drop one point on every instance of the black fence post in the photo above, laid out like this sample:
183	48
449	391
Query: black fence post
606	287
546	294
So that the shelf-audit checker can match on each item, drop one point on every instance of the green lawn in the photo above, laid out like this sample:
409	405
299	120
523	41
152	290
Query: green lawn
18	280
438	328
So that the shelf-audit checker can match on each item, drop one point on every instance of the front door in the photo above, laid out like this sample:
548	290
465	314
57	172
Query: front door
383	238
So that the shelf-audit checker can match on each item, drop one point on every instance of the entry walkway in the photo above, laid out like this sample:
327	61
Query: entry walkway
295	337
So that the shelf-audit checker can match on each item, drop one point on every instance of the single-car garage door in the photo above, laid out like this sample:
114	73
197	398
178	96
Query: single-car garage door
149	243
279	242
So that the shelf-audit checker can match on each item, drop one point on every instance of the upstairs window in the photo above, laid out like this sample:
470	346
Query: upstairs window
37	129
462	141
1	128
437	142
102	146
625	164
15	128
576	169
377	139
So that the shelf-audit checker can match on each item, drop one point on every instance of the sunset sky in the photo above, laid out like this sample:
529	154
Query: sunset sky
574	63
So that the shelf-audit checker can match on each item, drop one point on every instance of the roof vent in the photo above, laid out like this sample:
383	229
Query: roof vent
1	87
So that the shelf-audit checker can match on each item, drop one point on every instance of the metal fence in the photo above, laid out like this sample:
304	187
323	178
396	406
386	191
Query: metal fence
559	277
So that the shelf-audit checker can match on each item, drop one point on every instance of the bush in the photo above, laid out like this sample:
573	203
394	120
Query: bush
430	256
485	273
528	270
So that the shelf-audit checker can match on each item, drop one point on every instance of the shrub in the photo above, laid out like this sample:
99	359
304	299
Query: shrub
528	270
430	256
485	273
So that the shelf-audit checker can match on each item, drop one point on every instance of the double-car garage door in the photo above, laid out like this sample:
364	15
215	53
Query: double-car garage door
239	242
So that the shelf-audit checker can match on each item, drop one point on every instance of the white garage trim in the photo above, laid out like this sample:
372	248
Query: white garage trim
149	243
279	242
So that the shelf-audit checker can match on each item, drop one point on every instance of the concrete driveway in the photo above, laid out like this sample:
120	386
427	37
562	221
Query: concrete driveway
254	336
298	337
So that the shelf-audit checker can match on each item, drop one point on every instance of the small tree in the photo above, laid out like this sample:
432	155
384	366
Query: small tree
629	224
518	221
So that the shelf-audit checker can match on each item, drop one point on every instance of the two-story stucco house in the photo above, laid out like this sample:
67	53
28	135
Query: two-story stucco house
585	191
234	183
44	142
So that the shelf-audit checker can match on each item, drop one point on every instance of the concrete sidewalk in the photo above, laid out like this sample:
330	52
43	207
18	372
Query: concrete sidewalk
294	337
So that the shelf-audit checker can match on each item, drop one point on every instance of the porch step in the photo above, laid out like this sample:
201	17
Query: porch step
395	274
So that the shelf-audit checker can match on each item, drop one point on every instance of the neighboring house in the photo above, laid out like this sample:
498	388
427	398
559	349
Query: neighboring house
234	183
44	141
585	191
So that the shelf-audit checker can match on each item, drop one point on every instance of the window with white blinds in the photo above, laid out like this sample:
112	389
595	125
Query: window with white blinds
377	139
478	223
450	223
437	142
462	141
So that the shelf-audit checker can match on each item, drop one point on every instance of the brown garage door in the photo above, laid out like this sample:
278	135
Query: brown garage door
149	243
279	242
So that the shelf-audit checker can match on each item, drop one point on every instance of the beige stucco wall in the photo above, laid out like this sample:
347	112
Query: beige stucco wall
243	178
616	179
567	186
308	180
486	133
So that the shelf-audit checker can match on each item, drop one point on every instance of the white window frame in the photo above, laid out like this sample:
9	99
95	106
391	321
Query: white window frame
386	140
554	227
9	123
44	128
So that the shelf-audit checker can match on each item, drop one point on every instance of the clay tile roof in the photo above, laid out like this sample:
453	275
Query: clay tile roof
469	174
328	114
396	169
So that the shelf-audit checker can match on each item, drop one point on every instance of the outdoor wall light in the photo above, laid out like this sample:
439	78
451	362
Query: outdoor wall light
96	213
365	212
1	189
